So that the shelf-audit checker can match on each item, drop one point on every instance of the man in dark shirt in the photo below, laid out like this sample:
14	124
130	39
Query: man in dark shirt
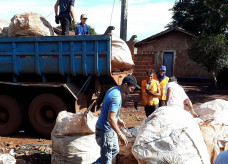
83	28
66	14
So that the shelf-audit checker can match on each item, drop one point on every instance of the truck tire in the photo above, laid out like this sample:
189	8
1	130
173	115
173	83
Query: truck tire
10	115
43	112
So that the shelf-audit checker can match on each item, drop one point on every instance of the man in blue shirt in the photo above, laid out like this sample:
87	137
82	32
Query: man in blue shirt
107	127
83	28
66	13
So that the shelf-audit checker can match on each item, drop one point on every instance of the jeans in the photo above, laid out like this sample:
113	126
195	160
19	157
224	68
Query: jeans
65	24
108	141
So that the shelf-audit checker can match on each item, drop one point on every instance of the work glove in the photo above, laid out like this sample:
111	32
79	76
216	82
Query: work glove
57	19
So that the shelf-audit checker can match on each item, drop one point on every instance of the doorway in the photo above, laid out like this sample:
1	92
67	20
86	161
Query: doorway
168	60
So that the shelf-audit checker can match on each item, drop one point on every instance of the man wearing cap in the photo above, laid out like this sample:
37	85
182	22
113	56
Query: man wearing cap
83	28
66	13
163	81
150	90
107	126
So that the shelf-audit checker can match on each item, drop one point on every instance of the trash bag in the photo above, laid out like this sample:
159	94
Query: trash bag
30	24
7	159
121	55
170	135
213	122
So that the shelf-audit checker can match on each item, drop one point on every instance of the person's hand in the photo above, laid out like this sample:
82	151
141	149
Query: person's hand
123	139
56	19
75	24
136	105
121	124
151	93
194	114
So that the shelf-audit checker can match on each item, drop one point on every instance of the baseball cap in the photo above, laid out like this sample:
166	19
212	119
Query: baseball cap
163	68
84	16
131	80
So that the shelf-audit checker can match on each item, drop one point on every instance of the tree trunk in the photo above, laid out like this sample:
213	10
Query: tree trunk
215	79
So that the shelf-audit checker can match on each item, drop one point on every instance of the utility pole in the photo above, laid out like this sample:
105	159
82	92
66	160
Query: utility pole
123	22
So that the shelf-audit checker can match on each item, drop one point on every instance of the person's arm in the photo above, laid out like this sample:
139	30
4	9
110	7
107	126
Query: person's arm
168	95
113	123
190	107
56	7
73	14
158	93
121	123
158	90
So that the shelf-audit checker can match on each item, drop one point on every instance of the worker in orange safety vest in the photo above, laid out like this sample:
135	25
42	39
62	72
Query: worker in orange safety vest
150	90
163	81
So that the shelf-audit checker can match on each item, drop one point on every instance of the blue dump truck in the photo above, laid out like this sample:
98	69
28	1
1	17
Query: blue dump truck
41	76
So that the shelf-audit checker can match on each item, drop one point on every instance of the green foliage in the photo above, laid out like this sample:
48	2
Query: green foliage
211	51
198	17
92	31
73	28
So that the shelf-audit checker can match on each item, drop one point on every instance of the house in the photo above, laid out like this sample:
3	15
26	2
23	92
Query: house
168	48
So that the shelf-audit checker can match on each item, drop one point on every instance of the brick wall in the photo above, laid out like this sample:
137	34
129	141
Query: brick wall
142	64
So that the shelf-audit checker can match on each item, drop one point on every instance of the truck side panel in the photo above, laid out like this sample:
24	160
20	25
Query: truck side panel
60	55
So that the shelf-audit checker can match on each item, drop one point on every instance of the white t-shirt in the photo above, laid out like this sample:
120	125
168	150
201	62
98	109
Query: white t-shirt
177	95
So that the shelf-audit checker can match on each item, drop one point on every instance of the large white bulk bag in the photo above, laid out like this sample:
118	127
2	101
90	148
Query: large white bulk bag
73	139
213	121
121	55
170	135
74	149
30	24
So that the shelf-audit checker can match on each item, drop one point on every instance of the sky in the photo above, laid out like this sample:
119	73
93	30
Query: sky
145	17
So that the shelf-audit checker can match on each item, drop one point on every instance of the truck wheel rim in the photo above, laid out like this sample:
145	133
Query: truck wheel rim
48	114
4	116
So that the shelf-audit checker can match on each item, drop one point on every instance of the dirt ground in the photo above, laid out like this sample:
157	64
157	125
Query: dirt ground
36	150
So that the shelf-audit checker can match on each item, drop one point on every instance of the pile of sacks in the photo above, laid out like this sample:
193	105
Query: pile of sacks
170	135
213	122
73	138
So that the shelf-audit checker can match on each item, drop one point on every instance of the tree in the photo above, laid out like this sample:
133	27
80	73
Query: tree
196	17
221	8
211	51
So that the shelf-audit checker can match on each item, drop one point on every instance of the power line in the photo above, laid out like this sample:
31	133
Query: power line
49	14
112	11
